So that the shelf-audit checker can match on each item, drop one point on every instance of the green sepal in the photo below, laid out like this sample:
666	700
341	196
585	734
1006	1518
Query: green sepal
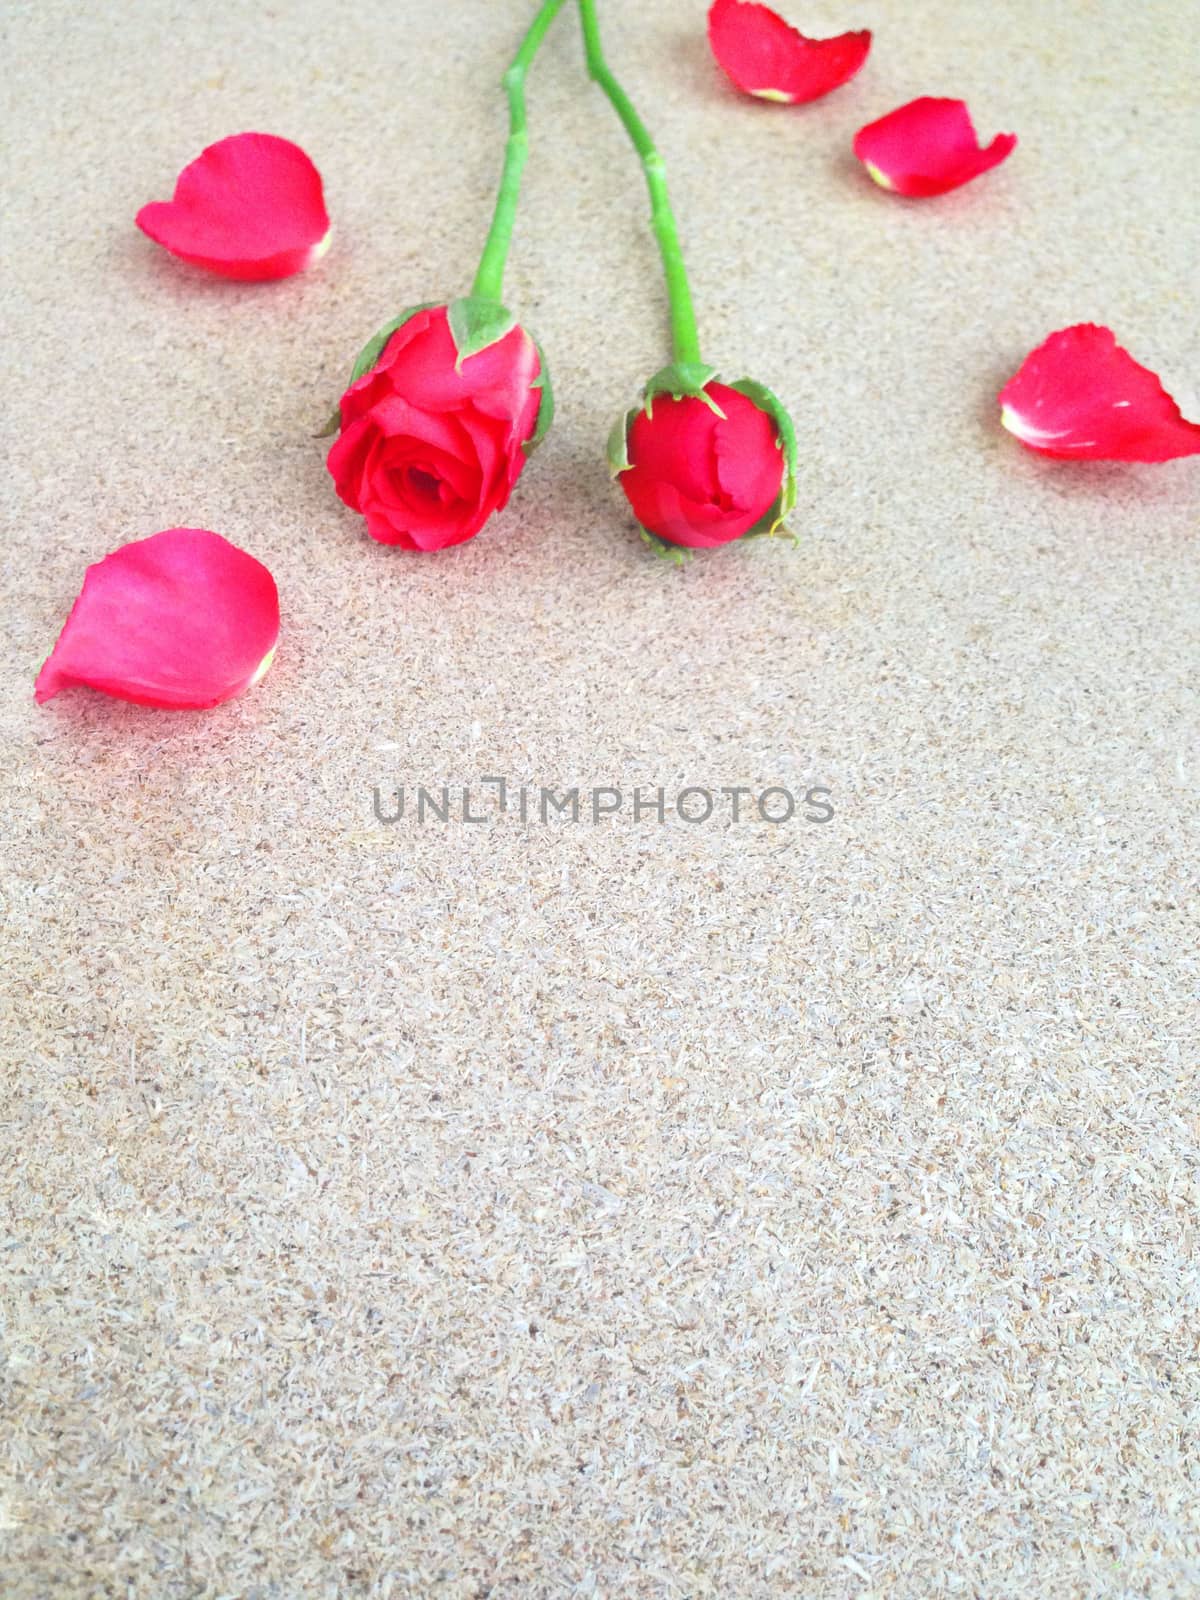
681	380
766	401
663	547
618	443
768	525
476	324
546	409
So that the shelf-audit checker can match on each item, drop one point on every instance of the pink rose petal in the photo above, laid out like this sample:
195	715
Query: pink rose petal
250	206
182	620
1082	397
766	57
927	147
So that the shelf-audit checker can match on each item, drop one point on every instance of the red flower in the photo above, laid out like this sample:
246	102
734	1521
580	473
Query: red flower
1081	397
183	620
704	468
432	441
250	206
927	147
765	56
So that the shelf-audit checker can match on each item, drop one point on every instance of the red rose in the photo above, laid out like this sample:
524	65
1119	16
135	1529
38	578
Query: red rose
430	445
702	477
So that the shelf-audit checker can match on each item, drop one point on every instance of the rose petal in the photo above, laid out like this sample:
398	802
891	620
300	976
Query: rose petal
674	443
366	390
764	56
347	460
495	380
395	417
749	461
659	507
403	528
250	206
1081	397
391	459
183	620
927	147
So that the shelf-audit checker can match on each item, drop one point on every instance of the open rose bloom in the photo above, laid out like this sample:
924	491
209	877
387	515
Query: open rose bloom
703	468
431	441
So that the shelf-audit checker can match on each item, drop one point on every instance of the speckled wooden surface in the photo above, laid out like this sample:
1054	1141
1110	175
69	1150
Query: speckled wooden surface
638	1210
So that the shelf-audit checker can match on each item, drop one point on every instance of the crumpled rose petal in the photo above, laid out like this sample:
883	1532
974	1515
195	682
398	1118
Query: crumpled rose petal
1081	397
766	57
928	147
182	620
251	206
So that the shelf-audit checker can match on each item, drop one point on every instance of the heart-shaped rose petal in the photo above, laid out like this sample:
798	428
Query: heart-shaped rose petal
768	58
251	206
182	620
927	147
1082	397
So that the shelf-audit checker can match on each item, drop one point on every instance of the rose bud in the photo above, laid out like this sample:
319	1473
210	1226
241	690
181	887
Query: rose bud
703	463
443	407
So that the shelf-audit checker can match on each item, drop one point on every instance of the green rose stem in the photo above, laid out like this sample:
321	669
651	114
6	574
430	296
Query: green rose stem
687	377
489	280
683	316
479	319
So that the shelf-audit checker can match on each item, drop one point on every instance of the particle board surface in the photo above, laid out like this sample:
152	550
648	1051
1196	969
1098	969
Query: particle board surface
613	1208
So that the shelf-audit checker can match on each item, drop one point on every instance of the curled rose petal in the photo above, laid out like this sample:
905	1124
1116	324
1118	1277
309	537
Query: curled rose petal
1081	397
766	57
927	147
250	206
182	620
